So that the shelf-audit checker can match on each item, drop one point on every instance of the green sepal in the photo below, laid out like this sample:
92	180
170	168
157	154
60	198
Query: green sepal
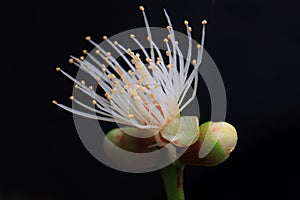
127	142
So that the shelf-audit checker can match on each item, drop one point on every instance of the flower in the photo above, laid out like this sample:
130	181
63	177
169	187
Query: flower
151	94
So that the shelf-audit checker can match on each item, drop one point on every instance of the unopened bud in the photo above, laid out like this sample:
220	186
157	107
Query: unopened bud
216	141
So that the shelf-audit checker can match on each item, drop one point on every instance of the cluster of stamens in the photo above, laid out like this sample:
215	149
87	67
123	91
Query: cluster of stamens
147	95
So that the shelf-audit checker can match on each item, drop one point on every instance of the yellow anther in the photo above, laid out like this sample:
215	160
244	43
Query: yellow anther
115	83
130	72
194	62
133	93
142	89
113	90
170	66
204	22
111	76
107	95
122	90
149	60
131	116
141	8
148	86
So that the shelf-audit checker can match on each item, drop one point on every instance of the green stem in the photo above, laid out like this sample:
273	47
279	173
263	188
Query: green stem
172	176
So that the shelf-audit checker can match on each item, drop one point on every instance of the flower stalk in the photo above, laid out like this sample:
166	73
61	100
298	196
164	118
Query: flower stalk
172	176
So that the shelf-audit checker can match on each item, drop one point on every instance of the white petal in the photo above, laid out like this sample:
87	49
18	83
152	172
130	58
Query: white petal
183	131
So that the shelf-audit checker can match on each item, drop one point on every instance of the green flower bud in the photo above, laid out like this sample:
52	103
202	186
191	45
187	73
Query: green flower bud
216	141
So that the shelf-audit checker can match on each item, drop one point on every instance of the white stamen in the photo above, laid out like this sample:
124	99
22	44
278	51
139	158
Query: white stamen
145	97
148	32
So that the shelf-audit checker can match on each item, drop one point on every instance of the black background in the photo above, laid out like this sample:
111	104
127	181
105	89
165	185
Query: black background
252	43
